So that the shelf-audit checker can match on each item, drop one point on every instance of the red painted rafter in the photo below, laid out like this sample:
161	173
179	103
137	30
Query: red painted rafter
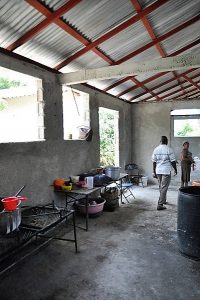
137	96
41	26
42	9
150	31
180	97
172	79
112	33
112	86
172	87
192	82
67	28
147	25
159	39
139	84
177	91
191	45
101	54
171	93
193	94
158	86
168	81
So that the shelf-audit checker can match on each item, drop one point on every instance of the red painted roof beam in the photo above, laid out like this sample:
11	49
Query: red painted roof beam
192	82
191	45
173	86
159	39
67	28
112	33
41	26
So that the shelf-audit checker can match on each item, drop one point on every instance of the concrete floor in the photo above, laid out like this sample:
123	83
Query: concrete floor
127	254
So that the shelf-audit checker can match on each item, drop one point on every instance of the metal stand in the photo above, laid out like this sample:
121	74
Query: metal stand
38	223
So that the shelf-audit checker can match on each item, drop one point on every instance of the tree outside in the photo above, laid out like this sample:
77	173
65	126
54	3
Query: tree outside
6	83
107	137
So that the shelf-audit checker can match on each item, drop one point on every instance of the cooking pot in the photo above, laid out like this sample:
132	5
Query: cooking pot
113	172
10	219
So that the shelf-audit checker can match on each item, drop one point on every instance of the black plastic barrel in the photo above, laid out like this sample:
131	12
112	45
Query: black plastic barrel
188	221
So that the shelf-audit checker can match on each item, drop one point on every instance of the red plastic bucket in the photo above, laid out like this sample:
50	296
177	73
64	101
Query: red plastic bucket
10	203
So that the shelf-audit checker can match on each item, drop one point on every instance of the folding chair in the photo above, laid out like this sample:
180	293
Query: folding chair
134	173
125	188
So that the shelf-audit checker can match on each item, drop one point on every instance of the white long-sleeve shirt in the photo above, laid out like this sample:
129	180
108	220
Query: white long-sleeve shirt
163	156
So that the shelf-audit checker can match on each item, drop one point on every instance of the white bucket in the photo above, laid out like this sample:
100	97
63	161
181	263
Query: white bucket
144	180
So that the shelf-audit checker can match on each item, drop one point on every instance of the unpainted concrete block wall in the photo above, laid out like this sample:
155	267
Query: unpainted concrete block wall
150	122
37	164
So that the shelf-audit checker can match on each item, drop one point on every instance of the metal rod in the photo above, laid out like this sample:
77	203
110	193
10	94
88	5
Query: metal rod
21	189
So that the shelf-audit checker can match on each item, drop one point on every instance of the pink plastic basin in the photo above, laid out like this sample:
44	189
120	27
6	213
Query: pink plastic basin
92	209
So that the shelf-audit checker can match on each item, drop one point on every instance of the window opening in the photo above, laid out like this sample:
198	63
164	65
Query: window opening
76	114
109	136
186	122
21	107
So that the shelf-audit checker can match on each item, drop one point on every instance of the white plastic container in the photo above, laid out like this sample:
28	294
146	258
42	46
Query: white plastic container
144	180
89	182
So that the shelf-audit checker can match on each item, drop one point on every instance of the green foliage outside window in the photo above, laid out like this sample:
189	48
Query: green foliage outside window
186	129
107	145
3	105
6	83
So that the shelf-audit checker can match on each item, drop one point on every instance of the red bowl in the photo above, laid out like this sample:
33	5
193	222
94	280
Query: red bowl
10	203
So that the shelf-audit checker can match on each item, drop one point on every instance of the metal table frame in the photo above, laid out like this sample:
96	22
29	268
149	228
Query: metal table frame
82	192
38	233
86	193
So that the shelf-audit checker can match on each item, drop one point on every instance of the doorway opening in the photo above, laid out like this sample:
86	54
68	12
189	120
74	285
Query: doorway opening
109	136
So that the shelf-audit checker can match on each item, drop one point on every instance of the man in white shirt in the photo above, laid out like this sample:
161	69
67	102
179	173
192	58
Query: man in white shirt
163	158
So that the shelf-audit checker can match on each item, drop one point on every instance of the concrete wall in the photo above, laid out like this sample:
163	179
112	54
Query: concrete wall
150	122
37	164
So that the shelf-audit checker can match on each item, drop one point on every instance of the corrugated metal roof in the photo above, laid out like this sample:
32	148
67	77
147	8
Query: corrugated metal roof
172	14
16	17
50	47
126	41
160	80
122	87
89	20
93	18
177	41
